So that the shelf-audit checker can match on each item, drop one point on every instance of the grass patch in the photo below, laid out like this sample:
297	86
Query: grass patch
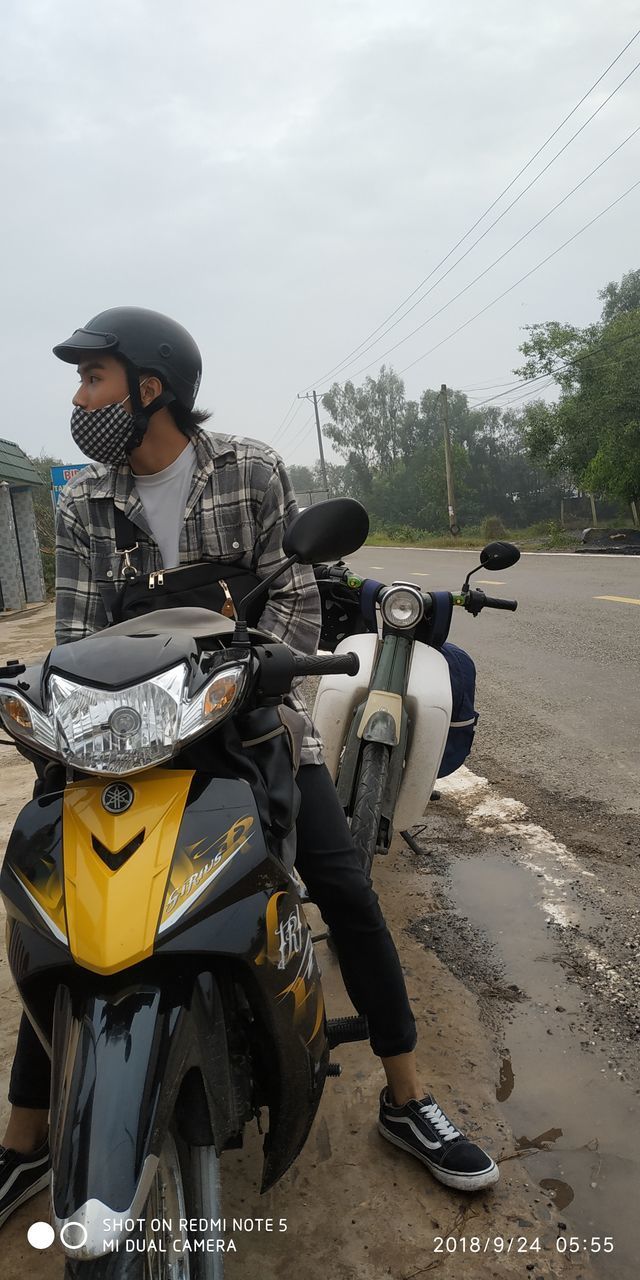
546	535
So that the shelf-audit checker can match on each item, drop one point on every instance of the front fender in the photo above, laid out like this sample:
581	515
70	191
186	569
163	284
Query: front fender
119	1060
380	727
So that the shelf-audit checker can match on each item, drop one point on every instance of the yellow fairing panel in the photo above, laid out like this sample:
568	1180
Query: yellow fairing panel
112	916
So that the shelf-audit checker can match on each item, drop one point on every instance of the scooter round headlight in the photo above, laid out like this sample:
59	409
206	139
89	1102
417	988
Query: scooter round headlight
402	606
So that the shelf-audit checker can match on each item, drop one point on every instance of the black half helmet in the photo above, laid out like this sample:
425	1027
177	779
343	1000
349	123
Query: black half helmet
144	340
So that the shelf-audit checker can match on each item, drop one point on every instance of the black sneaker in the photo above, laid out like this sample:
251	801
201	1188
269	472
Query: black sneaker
21	1177
424	1130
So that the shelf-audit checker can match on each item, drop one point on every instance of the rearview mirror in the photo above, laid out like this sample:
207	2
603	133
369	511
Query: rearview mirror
327	531
499	555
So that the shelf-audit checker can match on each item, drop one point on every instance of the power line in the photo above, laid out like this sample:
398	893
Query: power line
500	257
515	386
521	280
302	440
498	219
286	414
358	349
557	368
526	395
284	430
489	386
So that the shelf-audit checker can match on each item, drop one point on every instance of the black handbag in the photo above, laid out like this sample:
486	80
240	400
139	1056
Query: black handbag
206	584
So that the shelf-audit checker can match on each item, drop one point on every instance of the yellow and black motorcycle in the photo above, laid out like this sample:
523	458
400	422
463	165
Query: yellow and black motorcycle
155	929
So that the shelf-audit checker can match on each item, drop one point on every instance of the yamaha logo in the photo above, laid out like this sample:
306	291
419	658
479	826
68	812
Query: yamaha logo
117	797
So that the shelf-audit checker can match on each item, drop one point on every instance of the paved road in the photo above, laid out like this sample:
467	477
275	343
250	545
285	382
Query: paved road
558	681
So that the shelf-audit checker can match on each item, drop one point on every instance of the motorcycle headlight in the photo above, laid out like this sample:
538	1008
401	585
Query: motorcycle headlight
402	606
26	722
118	731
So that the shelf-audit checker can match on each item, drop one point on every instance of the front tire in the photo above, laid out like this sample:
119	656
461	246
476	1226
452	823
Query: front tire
367	808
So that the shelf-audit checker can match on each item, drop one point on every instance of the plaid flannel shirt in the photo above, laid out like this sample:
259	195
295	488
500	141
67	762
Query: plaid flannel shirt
239	505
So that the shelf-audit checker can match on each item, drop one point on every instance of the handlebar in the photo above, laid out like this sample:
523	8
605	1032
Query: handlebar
474	600
322	664
496	602
278	667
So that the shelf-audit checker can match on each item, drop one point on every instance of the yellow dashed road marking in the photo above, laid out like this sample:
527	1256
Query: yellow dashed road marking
619	599
490	582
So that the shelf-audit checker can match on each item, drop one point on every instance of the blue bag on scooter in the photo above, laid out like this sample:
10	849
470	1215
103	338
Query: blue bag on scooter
464	716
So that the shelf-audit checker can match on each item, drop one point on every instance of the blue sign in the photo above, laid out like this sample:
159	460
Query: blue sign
60	476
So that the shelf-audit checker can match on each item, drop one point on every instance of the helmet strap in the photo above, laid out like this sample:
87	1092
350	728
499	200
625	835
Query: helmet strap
140	413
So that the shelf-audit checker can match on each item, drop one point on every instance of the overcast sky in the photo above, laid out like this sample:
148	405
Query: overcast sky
279	176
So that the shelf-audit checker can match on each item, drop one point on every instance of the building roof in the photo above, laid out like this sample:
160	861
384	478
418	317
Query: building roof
15	466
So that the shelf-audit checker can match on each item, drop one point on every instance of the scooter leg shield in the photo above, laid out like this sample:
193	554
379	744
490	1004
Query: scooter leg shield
118	1062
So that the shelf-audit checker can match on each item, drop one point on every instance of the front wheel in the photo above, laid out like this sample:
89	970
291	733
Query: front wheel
367	807
186	1186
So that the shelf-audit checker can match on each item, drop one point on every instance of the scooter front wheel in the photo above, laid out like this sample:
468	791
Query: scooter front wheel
367	807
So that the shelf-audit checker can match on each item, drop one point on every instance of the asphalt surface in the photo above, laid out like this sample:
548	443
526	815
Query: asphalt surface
558	681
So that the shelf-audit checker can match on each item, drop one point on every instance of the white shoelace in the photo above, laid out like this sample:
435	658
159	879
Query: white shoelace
443	1127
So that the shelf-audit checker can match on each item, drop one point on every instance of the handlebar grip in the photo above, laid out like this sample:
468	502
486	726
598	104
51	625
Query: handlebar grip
323	664
495	602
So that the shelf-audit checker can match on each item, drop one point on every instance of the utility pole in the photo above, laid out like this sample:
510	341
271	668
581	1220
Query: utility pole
444	414
313	396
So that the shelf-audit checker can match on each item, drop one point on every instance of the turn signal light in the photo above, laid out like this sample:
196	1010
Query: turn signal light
15	709
220	694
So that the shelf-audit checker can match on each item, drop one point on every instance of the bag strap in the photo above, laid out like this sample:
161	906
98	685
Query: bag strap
368	596
126	536
440	619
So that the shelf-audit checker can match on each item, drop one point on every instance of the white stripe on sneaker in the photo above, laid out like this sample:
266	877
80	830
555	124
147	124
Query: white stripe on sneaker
40	1185
433	1146
23	1168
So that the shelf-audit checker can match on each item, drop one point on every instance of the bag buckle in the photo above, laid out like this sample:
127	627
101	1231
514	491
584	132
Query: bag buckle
129	571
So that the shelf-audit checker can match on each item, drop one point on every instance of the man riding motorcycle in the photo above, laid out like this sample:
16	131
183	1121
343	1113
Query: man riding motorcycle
184	496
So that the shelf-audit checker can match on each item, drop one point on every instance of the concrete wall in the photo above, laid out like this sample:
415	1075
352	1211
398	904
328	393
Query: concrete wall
27	535
21	577
13	594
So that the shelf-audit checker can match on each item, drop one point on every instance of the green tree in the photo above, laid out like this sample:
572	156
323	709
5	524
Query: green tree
45	520
42	503
617	299
367	421
302	479
592	433
394	457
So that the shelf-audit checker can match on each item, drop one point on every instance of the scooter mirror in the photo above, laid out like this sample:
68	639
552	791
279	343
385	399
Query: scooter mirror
327	531
499	555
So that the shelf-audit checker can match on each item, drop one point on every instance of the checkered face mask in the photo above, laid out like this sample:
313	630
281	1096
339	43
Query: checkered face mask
106	434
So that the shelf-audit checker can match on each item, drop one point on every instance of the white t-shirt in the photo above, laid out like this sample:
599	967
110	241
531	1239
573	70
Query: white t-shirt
164	498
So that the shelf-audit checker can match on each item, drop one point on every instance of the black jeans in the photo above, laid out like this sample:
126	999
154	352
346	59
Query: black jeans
331	869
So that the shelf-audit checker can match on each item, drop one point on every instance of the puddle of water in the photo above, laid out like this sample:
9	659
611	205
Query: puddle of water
507	1079
560	1192
574	1119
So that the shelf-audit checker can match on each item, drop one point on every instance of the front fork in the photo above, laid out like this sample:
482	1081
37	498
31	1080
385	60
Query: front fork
382	717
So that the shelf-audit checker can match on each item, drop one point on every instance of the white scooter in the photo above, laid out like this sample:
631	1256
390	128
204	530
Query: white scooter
386	731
